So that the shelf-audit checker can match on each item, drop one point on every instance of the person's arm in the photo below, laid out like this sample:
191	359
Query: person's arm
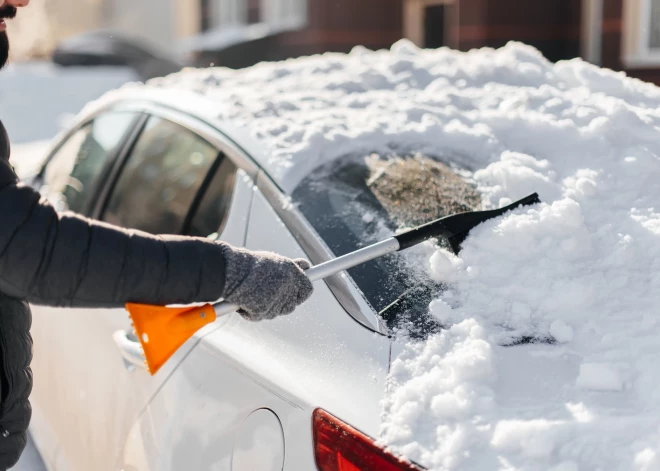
67	260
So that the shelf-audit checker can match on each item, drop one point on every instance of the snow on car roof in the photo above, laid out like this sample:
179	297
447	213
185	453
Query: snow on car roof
550	355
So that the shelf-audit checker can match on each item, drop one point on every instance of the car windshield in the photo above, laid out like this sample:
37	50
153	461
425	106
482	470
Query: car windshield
356	200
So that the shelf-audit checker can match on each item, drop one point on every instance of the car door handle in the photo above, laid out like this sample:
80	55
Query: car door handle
130	350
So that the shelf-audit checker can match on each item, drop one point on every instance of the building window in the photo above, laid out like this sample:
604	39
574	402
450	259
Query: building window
284	14
253	11
206	20
654	27
641	33
229	12
424	22
278	14
434	26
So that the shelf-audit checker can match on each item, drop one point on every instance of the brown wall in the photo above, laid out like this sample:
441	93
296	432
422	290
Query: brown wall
552	26
338	25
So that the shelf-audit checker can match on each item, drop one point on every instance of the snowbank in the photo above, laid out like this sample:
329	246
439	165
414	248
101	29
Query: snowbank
581	271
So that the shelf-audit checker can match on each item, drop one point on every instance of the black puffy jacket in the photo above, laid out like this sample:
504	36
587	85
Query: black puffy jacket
67	260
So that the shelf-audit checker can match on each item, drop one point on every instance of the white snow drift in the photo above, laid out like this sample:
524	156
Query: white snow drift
580	271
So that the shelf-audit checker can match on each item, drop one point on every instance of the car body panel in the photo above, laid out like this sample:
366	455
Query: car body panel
82	382
83	389
260	443
316	357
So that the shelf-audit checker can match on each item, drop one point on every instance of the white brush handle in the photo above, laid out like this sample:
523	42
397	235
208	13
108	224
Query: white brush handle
331	267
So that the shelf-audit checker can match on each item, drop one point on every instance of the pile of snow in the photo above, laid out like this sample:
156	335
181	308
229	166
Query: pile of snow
581	270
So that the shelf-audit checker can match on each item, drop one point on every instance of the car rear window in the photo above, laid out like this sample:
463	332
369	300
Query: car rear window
357	200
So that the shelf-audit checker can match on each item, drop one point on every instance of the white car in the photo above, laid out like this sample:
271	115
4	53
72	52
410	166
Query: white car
301	392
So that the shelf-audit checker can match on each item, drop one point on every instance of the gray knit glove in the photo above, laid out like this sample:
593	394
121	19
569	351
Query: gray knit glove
265	285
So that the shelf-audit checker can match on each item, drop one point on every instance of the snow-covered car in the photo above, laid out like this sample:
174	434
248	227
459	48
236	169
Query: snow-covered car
535	347
238	394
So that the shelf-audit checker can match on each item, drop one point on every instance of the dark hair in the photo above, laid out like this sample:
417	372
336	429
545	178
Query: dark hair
7	11
4	49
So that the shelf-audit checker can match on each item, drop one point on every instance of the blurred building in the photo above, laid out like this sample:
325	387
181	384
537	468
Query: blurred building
237	33
551	26
619	34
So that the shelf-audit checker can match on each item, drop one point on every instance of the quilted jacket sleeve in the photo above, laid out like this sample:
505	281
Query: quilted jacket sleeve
67	260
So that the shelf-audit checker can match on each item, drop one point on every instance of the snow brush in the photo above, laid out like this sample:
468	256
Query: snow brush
162	330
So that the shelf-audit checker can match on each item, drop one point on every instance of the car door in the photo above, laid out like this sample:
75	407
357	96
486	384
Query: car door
101	391
143	450
243	399
69	181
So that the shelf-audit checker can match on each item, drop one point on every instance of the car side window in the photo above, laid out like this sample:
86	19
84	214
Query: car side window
73	173
161	178
209	215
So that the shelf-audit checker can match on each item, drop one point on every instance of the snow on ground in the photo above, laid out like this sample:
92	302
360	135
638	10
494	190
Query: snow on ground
580	271
38	98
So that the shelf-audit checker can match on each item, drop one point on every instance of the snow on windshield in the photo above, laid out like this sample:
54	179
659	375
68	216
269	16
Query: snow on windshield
581	270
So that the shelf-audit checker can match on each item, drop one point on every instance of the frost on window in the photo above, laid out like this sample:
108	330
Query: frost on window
654	26
358	200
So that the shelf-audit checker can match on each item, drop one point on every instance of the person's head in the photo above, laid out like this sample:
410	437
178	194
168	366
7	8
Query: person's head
8	10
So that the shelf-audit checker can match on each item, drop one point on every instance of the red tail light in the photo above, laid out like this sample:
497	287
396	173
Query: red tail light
339	447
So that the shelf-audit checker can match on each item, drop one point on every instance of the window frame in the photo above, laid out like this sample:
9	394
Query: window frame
279	15
195	206
228	13
225	147
199	194
414	13
284	15
89	206
636	34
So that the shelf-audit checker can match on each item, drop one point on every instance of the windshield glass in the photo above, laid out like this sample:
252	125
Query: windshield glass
357	200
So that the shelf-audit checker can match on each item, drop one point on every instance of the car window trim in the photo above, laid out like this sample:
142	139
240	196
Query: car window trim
201	192
113	173
122	161
205	130
342	287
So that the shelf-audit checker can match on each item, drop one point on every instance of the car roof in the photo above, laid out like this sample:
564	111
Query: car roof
293	116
